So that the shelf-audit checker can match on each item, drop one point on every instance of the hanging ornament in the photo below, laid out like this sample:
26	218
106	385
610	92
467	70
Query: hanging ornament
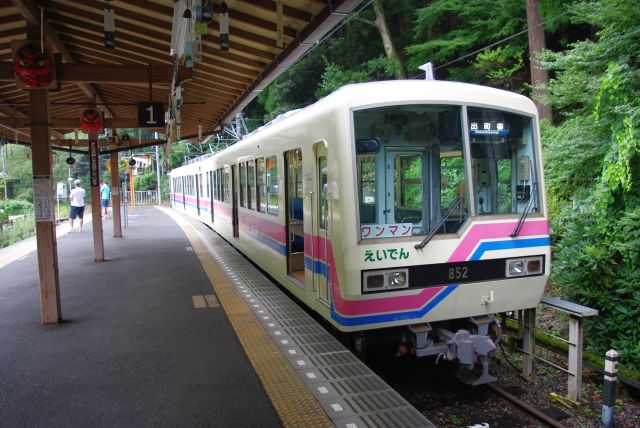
199	132
33	68
197	49
109	27
207	12
91	121
224	27
70	160
279	24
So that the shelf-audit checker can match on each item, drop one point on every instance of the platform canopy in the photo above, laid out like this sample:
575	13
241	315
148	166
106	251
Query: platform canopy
265	38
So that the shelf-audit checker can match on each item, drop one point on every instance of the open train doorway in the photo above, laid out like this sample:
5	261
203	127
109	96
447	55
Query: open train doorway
294	213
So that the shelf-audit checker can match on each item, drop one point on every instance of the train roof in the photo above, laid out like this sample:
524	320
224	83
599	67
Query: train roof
378	93
421	91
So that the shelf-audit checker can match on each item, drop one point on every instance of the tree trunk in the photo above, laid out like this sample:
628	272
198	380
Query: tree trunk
389	47
537	44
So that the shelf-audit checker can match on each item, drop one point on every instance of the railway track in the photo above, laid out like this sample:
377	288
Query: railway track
524	406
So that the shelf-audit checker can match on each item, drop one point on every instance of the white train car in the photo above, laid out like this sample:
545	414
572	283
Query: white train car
386	204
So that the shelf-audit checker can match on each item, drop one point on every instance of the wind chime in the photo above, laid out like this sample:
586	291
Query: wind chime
109	27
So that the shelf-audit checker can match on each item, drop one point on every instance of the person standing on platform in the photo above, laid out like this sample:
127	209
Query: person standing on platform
105	196
76	198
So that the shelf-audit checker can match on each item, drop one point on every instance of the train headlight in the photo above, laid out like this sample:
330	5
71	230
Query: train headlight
397	279
375	282
515	267
525	266
384	280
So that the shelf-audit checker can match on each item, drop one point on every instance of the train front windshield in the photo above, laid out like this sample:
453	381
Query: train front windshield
412	163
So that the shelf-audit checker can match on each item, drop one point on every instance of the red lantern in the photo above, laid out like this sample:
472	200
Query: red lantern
33	68
91	121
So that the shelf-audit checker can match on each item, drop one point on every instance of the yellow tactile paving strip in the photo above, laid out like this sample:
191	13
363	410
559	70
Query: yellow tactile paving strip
293	402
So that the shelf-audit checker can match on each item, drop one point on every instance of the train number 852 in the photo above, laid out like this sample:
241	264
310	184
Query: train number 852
460	272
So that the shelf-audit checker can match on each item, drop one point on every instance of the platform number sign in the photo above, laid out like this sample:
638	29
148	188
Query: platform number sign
151	115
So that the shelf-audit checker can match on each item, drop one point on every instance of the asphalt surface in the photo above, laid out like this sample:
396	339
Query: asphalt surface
133	350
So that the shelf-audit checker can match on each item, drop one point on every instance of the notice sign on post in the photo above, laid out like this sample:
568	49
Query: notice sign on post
43	198
151	115
94	166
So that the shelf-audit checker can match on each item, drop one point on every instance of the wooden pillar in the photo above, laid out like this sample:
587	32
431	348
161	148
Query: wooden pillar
115	195
96	209
43	202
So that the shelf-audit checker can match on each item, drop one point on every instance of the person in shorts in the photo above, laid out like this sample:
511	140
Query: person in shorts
76	199
105	196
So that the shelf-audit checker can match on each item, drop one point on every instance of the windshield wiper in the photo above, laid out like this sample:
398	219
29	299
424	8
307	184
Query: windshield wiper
516	230
457	202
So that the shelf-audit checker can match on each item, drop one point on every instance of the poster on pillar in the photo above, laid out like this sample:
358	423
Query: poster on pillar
94	162
33	67
42	198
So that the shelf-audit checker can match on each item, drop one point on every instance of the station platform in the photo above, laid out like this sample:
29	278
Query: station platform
175	328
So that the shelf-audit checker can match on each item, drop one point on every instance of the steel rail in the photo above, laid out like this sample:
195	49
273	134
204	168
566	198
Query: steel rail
532	410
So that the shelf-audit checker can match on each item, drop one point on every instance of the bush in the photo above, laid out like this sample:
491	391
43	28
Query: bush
598	264
16	206
20	229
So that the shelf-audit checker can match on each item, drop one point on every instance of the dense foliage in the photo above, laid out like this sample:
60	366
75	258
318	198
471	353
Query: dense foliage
592	160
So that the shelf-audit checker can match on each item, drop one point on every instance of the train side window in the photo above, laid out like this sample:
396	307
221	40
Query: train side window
251	185
201	185
214	178
227	184
243	184
272	185
261	185
367	187
322	165
220	185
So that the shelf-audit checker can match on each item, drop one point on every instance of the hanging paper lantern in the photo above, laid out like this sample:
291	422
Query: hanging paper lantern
91	121
33	68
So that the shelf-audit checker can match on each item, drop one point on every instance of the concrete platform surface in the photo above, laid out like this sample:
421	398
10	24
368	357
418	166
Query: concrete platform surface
133	350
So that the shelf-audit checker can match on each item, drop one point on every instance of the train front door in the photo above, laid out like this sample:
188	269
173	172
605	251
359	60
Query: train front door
407	183
295	216
320	227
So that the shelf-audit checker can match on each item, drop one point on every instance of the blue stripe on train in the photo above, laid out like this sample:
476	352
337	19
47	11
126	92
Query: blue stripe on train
477	254
508	245
398	316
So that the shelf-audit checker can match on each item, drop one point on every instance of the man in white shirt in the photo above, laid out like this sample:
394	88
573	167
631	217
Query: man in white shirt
76	198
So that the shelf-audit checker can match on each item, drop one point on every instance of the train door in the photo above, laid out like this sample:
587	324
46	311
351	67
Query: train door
211	192
320	227
294	214
407	184
198	184
234	200
184	193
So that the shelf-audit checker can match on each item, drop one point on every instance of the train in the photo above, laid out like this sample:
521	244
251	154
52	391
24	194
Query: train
411	206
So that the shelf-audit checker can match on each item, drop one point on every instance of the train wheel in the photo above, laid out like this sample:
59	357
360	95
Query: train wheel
358	345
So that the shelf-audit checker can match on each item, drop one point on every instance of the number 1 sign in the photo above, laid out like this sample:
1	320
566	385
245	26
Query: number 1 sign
151	115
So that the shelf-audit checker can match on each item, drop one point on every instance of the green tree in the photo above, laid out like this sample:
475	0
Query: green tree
592	167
